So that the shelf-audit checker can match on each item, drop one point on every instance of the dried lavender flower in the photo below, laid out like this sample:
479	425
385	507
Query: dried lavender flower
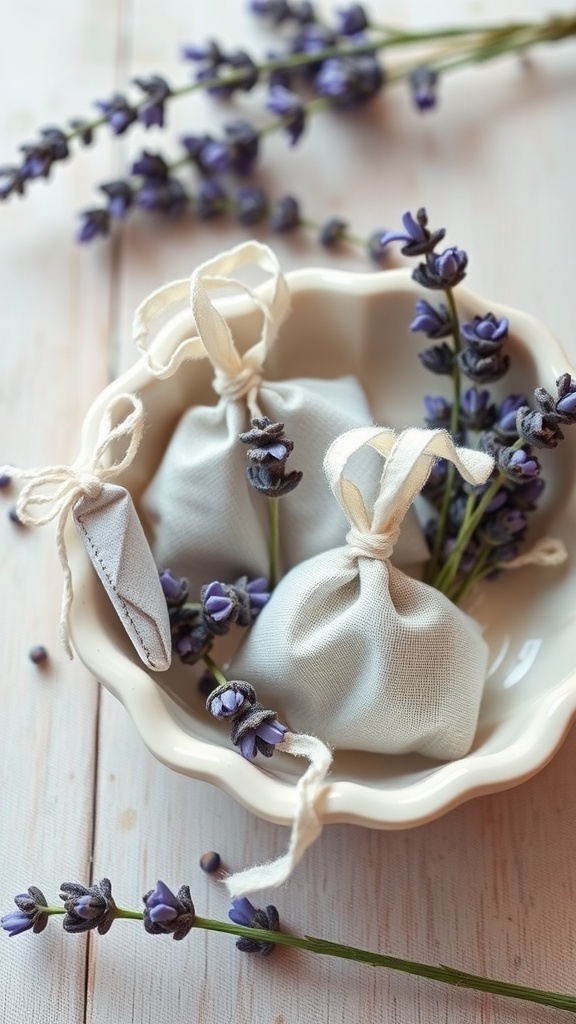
438	359
352	20
38	655
230	698
117	112
423	83
483	369
220	606
285	214
210	862
31	913
476	410
505	424
418	239
485	333
94	223
251	205
434	322
88	907
242	912
268	457
517	464
152	112
442	270
538	429
438	411
256	730
253	595
287	104
167	914
175	590
332	231
120	197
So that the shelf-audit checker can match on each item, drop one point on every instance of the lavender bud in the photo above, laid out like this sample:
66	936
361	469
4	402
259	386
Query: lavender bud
167	914
352	20
332	232
230	698
517	464
506	417
88	907
438	411
256	730
38	655
287	104
120	197
242	912
438	359
537	429
211	199
251	205
442	270
220	606
418	239
285	215
476	410
483	369
423	82
485	333
118	113
175	590
95	223
31	913
435	323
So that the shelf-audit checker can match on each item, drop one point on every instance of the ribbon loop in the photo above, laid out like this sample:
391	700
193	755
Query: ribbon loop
51	493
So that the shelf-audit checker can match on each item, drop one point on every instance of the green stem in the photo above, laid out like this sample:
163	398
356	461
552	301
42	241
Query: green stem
274	563
215	670
128	915
449	570
448	975
454	424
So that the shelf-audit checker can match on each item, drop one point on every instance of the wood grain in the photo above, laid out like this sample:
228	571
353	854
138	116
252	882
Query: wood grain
488	888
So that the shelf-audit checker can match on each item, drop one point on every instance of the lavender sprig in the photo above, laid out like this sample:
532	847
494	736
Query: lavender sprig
167	913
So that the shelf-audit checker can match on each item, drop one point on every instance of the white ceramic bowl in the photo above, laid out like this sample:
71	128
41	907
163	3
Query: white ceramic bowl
344	323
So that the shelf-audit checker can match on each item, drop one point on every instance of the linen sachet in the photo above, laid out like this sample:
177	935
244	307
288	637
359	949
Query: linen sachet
351	649
206	522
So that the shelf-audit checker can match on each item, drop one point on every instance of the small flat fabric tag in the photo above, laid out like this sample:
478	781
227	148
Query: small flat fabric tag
112	534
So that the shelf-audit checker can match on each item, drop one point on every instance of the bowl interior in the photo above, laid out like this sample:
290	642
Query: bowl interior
359	324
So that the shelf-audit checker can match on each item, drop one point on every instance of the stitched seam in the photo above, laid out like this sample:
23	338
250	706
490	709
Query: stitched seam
113	587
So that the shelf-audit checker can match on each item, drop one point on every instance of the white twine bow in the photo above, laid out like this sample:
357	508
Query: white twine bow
236	376
409	459
52	492
307	824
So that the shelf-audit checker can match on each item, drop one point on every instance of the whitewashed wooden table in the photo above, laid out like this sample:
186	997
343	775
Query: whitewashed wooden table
490	887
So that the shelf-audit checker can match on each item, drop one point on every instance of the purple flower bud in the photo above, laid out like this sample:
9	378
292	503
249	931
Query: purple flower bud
517	464
215	157
418	239
442	270
352	20
485	333
438	359
151	165
38	655
435	323
118	113
506	417
285	215
438	411
211	199
287	105
476	410
167	914
423	82
230	698
483	369
120	197
377	252
175	590
332	232
220	605
538	429
251	204
5	480
88	907
529	493
243	913
210	862
31	913
167	197
151	113
95	222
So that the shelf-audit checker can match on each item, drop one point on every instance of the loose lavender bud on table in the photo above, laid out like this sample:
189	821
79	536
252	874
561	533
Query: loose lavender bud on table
210	862
5	480
14	517
38	655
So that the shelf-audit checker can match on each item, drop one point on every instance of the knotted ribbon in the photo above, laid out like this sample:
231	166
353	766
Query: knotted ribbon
51	493
236	376
409	459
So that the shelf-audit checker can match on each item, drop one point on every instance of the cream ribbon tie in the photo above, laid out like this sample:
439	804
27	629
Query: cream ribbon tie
51	493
